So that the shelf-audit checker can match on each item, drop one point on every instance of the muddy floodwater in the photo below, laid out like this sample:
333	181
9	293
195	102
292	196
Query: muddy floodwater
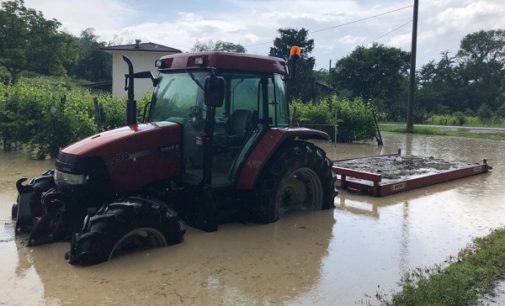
334	257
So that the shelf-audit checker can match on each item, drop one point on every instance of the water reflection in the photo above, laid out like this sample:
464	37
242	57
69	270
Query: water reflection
408	143
404	240
366	205
360	208
240	264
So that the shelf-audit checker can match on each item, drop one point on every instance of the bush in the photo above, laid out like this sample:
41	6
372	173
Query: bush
355	118
484	113
469	112
501	111
458	118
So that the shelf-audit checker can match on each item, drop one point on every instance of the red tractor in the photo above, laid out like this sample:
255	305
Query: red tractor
216	147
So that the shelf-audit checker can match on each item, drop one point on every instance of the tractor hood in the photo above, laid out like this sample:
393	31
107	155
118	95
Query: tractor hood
126	139
134	156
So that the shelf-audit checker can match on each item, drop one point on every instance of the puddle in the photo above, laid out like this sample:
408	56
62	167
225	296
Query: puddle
322	258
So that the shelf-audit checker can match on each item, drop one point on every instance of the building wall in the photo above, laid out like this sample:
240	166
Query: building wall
142	61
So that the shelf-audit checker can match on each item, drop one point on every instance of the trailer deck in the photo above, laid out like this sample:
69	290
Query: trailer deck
384	175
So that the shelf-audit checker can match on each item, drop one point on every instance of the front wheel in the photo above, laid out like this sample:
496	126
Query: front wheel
118	228
298	177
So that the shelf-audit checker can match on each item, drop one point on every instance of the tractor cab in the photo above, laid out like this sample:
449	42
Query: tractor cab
253	99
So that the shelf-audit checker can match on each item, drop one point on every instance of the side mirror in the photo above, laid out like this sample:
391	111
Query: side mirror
214	91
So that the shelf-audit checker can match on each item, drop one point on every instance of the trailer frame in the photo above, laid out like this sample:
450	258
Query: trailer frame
379	188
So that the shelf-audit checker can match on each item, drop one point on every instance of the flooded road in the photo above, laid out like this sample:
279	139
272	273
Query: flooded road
322	258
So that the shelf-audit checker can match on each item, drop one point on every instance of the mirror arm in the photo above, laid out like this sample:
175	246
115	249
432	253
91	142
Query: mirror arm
147	75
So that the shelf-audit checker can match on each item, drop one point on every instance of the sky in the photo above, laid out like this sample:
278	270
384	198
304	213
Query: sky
179	24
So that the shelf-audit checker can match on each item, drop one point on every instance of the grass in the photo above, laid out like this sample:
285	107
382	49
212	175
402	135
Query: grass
428	130
494	123
472	274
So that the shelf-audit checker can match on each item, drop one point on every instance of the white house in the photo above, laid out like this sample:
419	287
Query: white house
142	56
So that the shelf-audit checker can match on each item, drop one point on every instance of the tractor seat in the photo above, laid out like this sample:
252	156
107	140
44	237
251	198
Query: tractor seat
239	124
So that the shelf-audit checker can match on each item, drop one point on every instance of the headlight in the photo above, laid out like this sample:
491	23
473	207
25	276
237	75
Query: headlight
69	179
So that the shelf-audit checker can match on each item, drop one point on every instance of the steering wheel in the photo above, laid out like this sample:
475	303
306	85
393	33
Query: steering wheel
196	117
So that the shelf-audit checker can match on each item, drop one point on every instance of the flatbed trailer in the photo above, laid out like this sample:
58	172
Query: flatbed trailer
351	174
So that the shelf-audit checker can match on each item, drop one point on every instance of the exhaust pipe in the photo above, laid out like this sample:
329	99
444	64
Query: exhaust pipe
131	104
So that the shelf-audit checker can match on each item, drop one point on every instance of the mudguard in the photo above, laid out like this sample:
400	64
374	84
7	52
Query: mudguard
266	147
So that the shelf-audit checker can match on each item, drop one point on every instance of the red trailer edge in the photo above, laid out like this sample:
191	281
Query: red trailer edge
371	183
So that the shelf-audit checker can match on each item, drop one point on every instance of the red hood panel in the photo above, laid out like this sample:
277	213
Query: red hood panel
90	146
135	155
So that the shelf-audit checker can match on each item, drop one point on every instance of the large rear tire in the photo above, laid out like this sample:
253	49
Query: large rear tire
298	177
117	228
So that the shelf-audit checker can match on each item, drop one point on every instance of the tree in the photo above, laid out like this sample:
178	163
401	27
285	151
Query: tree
378	73
474	77
440	87
28	41
93	64
218	46
302	85
482	67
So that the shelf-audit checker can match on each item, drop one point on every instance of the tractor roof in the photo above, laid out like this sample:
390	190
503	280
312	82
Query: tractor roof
224	61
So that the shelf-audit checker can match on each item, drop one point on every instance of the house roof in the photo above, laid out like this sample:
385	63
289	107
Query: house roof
148	47
325	85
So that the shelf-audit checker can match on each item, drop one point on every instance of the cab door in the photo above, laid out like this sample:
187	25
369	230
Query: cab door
236	122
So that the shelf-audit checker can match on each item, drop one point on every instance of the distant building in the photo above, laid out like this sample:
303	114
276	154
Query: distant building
142	56
324	90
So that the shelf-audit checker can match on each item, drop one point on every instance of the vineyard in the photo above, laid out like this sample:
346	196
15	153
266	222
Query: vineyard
42	117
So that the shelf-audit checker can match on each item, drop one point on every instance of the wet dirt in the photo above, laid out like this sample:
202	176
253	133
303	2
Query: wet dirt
319	258
396	168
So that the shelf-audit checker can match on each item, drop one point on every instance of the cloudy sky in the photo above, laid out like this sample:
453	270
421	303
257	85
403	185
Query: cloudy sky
254	24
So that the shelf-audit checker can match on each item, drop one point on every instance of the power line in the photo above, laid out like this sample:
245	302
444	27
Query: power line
359	20
389	32
342	24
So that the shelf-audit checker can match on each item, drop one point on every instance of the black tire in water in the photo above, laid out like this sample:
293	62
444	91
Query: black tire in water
117	228
297	177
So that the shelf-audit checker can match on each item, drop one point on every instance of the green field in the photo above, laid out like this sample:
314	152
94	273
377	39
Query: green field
430	130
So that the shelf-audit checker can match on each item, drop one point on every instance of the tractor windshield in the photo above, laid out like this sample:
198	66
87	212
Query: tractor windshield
178	97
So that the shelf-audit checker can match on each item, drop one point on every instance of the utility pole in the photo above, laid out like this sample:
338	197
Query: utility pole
412	82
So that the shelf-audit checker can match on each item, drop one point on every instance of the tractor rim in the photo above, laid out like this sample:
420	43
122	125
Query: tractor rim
302	190
140	238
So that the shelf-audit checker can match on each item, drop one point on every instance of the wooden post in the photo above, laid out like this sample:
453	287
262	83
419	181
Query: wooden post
378	135
63	100
336	127
98	114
